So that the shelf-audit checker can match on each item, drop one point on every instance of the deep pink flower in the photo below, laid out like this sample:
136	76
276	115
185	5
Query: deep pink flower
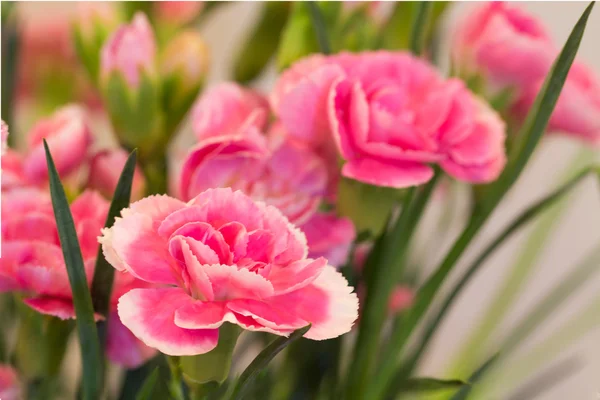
32	262
227	109
10	388
69	138
578	109
278	171
223	258
131	50
504	44
105	169
329	236
12	171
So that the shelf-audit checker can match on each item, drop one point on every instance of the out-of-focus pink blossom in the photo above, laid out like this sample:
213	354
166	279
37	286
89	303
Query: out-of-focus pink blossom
3	136
32	262
227	109
504	44
177	12
68	135
329	236
279	171
130	51
10	388
577	111
12	171
225	258
88	14
391	116
187	57
105	170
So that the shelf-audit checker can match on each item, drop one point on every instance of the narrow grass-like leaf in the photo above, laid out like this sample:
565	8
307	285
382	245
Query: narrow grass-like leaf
319	26
423	385
261	361
464	392
418	33
528	138
86	327
147	390
104	272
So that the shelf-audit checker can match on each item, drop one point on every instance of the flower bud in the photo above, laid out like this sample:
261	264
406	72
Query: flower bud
177	12
183	66
93	23
105	170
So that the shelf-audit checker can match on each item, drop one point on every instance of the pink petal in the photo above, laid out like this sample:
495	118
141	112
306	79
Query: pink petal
296	275
56	307
236	236
222	205
267	314
400	175
203	315
229	282
328	304
150	314
191	250
122	347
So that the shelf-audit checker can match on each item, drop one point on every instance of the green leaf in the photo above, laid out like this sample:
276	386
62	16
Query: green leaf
147	390
261	361
464	392
418	33
86	327
320	28
420	385
528	138
104	272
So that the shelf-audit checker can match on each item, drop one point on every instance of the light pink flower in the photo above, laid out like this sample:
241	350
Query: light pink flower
105	169
227	109
4	136
91	13
391	116
12	171
504	44
329	236
177	12
578	109
223	258
131	51
10	389
68	135
279	172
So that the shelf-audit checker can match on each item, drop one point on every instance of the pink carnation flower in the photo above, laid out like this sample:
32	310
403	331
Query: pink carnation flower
227	109
222	258
131	50
391	116
10	389
69	137
105	169
32	262
277	171
12	171
329	236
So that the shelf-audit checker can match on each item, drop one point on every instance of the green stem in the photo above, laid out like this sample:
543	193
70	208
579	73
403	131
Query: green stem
476	345
383	270
156	173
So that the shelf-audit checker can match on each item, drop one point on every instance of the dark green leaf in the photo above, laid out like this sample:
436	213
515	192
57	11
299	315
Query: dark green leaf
261	361
528	138
419	30
104	272
320	27
86	327
147	390
420	385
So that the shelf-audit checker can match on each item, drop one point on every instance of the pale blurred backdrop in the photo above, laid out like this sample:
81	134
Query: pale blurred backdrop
578	232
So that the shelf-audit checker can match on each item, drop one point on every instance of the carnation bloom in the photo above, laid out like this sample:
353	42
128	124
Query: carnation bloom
68	136
105	169
131	50
329	236
277	171
9	383
12	171
226	109
32	262
391	116
511	50
222	258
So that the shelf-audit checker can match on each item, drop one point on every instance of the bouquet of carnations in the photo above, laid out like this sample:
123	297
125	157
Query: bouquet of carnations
161	240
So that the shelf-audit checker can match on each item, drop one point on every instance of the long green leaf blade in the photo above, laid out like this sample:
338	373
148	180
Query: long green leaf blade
88	337
529	136
320	27
262	360
418	33
424	385
104	272
147	390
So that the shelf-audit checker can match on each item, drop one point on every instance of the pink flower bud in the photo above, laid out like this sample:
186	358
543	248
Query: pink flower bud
131	50
68	136
177	12
105	170
90	15
9	384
